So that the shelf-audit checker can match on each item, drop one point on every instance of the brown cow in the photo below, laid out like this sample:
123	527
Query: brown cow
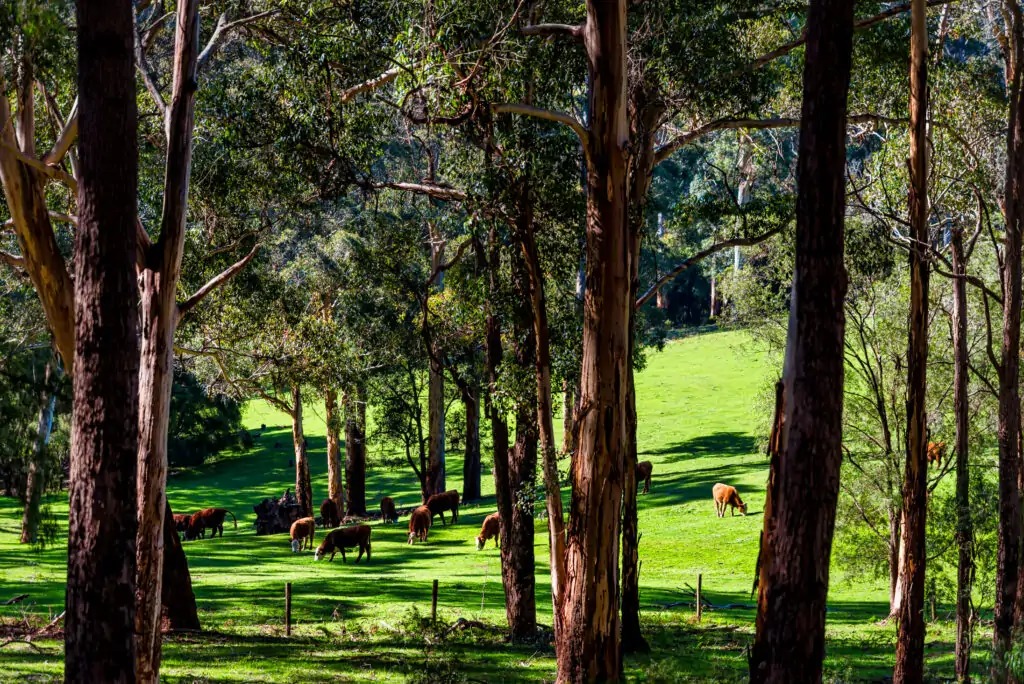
726	495
208	519
643	472
936	452
439	503
329	513
181	522
419	524
302	532
490	528
345	538
388	514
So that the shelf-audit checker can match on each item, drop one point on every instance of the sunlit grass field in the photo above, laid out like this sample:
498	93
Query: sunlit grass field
702	420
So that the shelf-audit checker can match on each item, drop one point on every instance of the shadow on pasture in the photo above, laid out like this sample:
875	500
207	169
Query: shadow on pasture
677	489
715	444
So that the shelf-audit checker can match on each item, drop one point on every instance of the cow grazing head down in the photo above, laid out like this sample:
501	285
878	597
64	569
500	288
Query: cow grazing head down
295	546
317	555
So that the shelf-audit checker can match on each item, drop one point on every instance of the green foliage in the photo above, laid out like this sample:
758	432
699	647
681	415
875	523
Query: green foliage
203	423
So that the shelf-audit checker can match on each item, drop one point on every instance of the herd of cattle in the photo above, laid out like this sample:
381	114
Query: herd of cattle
341	539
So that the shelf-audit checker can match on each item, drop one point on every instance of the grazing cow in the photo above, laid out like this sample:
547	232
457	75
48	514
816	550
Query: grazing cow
726	495
329	513
419	524
439	503
302	533
208	519
388	514
643	472
181	522
490	528
936	452
345	538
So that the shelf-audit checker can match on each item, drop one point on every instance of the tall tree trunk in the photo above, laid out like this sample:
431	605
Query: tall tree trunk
334	484
910	629
512	474
34	479
471	461
436	482
895	518
178	599
355	451
100	619
568	410
588	644
803	484
303	484
961	410
1008	588
633	640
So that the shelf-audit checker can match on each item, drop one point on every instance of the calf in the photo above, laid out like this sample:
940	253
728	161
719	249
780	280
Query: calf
439	503
388	514
302	533
345	538
419	524
490	528
181	522
208	519
936	451
329	513
726	495
643	472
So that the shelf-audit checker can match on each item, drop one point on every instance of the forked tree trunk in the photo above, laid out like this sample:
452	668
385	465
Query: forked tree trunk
100	620
512	473
1008	586
34	478
355	452
471	461
303	484
961	411
587	646
911	625
803	484
178	599
334	483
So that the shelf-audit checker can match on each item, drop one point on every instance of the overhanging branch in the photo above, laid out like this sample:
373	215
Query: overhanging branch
571	31
223	28
217	281
548	115
437	191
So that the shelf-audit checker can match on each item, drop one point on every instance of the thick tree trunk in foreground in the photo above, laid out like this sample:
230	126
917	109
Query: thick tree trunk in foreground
1008	588
178	600
512	472
910	629
471	462
34	479
334	484
961	410
100	619
803	484
588	644
633	640
303	484
355	452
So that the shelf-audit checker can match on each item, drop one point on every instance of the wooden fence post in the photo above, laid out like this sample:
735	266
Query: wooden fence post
433	605
700	602
288	609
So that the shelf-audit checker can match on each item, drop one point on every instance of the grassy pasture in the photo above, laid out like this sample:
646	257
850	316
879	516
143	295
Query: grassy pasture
700	423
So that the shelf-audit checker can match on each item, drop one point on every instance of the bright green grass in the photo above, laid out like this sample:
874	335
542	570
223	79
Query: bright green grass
700	423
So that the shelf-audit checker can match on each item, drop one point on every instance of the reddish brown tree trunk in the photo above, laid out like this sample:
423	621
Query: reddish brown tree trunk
803	484
100	603
1008	587
961	411
355	452
334	484
34	478
471	461
588	644
178	600
633	640
303	484
910	628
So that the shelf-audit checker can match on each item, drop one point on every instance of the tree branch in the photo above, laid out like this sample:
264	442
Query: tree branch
372	84
221	31
12	260
575	32
54	172
560	117
440	192
65	140
454	260
217	281
143	67
713	249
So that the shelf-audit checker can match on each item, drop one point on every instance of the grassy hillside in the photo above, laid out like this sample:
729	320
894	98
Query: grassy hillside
700	423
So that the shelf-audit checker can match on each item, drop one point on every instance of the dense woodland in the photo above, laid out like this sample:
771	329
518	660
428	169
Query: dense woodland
444	224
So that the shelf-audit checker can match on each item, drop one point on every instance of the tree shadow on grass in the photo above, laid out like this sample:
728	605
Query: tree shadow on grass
715	444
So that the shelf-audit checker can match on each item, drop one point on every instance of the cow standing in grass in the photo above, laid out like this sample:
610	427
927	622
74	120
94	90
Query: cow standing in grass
726	495
419	524
439	503
329	513
643	472
490	529
208	519
345	538
302	533
388	513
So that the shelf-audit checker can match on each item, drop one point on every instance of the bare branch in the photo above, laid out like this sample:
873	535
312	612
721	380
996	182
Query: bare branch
65	140
575	32
54	172
454	260
223	28
372	84
713	249
143	67
12	260
527	110
219	280
435	190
